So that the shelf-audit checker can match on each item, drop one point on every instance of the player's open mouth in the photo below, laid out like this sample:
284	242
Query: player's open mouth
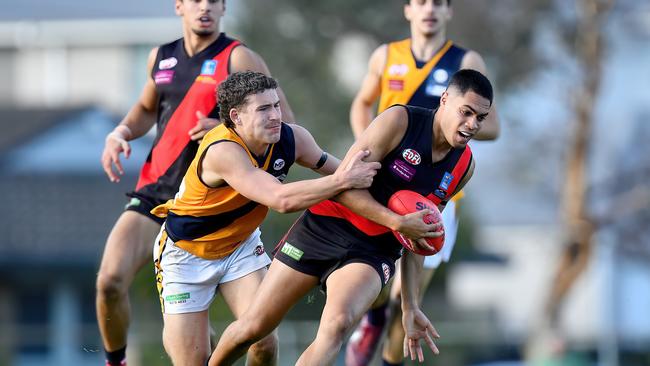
205	20
465	136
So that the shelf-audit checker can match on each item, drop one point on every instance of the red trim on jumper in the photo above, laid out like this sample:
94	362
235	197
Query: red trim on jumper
175	137
334	209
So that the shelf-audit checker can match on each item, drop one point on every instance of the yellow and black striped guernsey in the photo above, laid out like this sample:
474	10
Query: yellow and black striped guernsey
406	80
210	222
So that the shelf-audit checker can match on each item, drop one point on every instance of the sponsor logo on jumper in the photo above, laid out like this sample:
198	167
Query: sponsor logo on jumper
163	77
394	84
209	67
259	250
411	156
292	251
386	268
167	63
402	170
398	70
278	164
446	181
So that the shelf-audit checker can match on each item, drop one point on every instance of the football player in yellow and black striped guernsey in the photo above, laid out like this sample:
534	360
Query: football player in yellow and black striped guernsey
210	239
414	71
179	98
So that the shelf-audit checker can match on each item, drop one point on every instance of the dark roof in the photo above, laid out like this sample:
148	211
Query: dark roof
20	125
56	221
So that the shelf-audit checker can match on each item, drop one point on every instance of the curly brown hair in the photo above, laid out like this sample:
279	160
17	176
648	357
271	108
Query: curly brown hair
233	91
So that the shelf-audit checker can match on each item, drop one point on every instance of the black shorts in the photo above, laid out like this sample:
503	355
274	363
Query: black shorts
318	245
143	204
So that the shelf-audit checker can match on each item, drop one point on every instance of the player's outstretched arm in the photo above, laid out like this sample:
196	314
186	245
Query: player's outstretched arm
244	59
361	110
416	325
491	127
140	118
227	161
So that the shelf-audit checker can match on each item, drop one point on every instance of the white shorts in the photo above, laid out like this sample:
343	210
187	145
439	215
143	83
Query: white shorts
450	222
187	283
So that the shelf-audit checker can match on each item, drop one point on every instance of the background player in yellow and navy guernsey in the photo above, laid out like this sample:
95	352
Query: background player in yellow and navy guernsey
210	240
413	71
348	245
177	97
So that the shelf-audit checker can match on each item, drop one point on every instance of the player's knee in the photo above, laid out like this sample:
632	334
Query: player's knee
251	330
265	350
110	286
339	326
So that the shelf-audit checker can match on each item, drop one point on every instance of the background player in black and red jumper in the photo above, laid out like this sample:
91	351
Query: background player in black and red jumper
179	98
350	249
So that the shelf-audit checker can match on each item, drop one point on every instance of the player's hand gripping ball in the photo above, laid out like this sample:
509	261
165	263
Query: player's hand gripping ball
405	202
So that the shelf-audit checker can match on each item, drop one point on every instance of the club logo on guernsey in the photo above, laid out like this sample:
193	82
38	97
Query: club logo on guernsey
278	164
167	63
411	156
386	270
441	192
291	251
209	67
437	83
446	181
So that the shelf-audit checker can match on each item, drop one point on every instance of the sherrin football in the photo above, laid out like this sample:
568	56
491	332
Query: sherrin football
405	202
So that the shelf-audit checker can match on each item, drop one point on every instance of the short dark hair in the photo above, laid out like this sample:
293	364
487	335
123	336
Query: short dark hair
466	79
233	91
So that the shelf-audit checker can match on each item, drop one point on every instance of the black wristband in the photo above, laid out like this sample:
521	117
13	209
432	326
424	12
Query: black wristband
321	161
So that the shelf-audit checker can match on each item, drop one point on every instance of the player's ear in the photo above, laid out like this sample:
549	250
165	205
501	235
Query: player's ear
450	11
443	97
407	11
178	7
234	116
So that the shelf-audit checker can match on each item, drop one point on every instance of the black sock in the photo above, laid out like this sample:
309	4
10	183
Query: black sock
116	357
377	316
386	363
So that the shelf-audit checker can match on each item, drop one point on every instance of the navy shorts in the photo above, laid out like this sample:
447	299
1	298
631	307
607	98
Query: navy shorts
318	245
143	204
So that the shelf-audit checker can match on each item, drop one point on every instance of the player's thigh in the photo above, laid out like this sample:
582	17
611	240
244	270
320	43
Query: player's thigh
129	244
351	290
240	293
186	337
281	288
